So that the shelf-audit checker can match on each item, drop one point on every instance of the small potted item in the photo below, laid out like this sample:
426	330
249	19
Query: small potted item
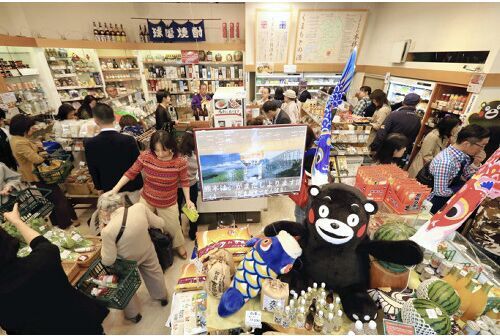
229	57
209	57
201	55
238	56
218	57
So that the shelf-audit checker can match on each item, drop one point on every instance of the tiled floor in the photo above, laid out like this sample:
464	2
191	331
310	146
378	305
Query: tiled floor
155	316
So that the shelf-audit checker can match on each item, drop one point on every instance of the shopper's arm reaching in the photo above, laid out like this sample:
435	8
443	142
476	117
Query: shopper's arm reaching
184	179
129	175
15	218
121	183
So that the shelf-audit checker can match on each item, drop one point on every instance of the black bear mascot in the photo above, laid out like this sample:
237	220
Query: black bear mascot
336	248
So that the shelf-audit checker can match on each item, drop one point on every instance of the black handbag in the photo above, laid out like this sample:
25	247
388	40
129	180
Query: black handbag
425	177
163	247
161	241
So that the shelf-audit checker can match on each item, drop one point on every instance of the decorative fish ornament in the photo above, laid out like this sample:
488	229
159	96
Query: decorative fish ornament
268	258
321	163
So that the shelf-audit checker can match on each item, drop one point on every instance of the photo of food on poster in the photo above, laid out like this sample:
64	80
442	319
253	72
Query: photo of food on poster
229	107
250	161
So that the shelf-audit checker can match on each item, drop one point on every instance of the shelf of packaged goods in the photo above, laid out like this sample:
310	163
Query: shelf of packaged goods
278	84
77	99
19	76
118	57
121	79
64	75
175	93
321	76
198	79
200	63
322	84
278	76
78	87
122	96
116	70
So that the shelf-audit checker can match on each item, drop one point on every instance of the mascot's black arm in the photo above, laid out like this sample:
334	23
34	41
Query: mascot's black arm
293	228
403	252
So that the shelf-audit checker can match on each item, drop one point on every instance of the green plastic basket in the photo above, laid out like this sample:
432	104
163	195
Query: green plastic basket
58	175
128	282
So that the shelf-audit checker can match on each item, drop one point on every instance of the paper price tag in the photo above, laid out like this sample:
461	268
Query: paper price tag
199	265
431	313
253	319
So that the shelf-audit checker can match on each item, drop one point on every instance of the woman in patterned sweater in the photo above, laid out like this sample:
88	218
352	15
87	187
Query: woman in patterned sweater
163	171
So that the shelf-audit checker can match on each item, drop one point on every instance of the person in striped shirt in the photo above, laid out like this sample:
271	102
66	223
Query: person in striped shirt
452	167
163	170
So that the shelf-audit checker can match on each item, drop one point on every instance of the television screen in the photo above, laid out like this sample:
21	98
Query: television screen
250	161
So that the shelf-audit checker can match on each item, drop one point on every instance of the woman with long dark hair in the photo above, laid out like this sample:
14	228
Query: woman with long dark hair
382	110
163	170
86	110
188	150
434	142
392	150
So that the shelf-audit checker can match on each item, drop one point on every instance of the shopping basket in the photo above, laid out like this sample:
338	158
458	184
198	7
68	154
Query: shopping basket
32	203
128	282
59	174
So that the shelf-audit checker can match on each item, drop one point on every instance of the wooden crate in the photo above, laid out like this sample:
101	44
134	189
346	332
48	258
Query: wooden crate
92	255
71	269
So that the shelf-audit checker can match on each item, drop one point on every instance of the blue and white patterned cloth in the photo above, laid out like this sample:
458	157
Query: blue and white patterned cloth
445	167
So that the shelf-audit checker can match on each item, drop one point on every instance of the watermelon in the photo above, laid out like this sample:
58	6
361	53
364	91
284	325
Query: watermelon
441	293
396	231
427	317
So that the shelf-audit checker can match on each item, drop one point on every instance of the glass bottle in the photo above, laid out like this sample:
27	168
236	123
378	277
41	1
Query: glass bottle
478	302
96	32
312	306
123	34
465	278
337	303
331	308
371	328
118	34
314	291
465	294
107	36
293	309
319	322
300	319
322	289
328	328
452	277
278	313
358	328
337	321
285	319
102	37
309	320
115	64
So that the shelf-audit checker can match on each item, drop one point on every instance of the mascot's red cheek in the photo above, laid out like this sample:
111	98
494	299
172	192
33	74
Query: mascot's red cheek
310	216
361	231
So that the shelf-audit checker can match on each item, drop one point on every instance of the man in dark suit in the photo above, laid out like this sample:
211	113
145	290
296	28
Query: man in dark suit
275	114
110	154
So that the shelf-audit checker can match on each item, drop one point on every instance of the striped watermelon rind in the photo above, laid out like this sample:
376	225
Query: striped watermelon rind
441	293
397	231
414	312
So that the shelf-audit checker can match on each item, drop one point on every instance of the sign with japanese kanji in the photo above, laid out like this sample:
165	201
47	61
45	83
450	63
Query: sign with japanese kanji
176	32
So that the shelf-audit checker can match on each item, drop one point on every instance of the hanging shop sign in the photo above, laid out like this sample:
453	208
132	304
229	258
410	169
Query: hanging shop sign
176	32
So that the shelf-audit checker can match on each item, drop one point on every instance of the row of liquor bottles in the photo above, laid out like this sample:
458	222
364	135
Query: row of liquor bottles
109	34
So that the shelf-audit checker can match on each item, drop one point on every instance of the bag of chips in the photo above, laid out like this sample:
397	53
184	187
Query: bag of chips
190	279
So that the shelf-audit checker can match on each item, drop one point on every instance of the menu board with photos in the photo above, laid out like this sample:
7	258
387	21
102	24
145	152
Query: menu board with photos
327	36
271	36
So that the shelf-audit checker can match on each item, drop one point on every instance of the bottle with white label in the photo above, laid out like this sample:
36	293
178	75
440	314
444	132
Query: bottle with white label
319	322
314	291
328	328
371	328
337	321
285	319
358	328
300	319
293	309
278	313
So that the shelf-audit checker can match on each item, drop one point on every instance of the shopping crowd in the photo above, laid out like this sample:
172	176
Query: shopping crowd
146	189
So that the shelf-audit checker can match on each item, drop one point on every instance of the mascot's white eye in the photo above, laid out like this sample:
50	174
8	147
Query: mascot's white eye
352	220
324	211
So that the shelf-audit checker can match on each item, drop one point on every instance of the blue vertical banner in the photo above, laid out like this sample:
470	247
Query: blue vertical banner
321	165
176	32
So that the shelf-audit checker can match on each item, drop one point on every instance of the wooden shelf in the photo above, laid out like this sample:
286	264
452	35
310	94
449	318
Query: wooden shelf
118	70
200	63
198	79
118	57
60	88
121	79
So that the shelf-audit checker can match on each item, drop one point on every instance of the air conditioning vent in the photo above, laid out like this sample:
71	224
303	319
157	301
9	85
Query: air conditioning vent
468	57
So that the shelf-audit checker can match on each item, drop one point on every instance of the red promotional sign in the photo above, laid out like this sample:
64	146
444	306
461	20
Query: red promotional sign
231	30
397	328
190	57
224	30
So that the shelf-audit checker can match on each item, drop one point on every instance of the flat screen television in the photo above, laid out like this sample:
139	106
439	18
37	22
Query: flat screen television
245	162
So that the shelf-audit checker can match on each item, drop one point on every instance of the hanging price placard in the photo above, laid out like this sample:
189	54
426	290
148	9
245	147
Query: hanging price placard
175	32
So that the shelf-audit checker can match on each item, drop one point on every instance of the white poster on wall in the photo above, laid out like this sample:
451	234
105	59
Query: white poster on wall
272	30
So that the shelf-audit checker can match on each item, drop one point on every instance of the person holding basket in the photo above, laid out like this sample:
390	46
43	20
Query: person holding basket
35	294
28	155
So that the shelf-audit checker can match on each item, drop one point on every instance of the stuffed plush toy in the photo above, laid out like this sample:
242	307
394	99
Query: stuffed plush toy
336	247
268	258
